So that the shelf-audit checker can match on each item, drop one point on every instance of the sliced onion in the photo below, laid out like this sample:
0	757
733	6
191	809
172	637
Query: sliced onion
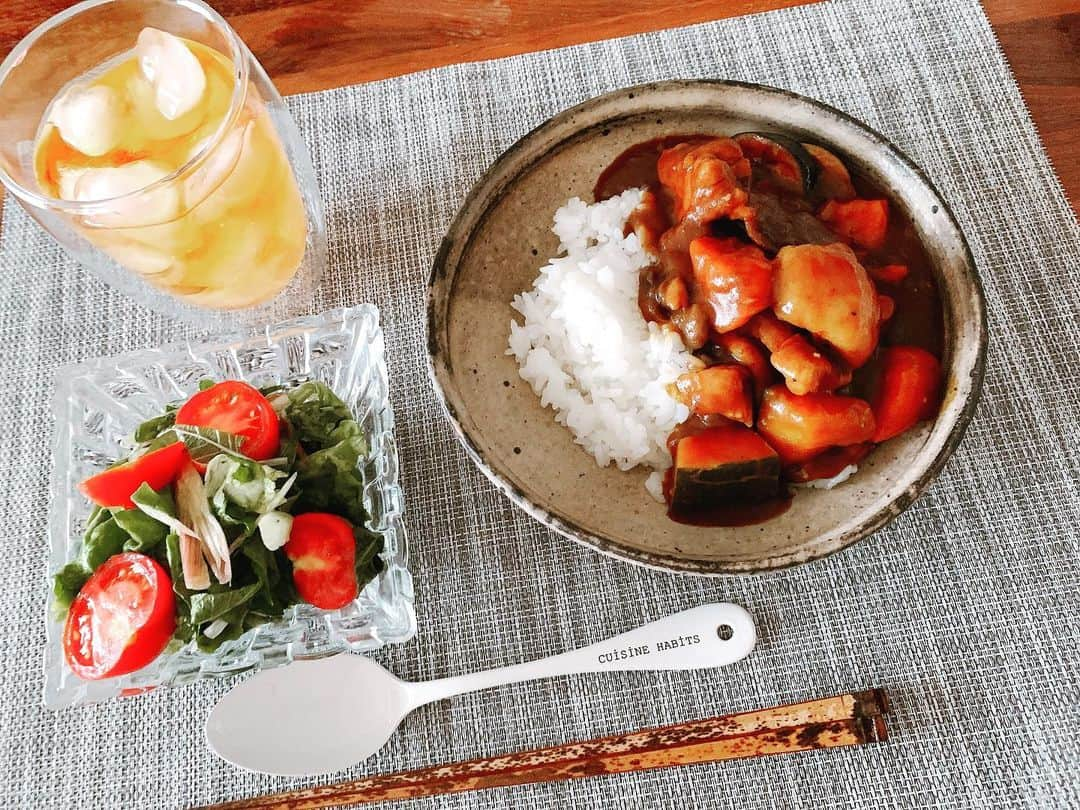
194	510
829	483
196	574
215	628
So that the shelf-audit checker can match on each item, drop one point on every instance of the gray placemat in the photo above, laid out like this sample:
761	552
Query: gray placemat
967	608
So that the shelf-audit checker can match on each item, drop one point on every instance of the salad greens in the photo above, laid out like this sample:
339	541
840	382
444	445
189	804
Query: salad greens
251	502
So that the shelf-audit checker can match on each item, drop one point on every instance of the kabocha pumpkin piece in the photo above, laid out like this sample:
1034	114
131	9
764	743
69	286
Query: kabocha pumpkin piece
724	464
824	289
734	278
779	162
833	179
800	427
724	390
864	223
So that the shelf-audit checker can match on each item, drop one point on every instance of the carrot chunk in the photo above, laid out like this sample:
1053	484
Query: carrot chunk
862	222
908	392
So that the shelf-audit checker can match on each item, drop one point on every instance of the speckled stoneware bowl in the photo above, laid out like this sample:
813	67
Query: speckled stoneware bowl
502	236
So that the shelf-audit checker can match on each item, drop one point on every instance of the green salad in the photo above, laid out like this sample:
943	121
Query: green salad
231	507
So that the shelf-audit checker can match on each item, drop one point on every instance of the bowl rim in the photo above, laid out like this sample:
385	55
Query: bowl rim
436	362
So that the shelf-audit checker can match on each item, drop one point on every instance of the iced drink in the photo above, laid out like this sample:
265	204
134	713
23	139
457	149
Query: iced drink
223	233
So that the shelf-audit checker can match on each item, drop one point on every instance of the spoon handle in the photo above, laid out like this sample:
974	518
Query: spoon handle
707	636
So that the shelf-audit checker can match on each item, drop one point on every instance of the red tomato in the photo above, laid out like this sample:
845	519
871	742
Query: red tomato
322	549
122	618
235	407
862	222
908	391
114	487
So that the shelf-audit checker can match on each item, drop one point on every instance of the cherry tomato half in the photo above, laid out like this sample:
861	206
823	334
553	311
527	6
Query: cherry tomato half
122	618
115	486
322	549
235	407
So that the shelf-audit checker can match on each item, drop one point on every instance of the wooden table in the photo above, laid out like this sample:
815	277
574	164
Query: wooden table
317	44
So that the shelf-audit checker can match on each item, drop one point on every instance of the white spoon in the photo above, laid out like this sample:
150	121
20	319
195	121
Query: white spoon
318	716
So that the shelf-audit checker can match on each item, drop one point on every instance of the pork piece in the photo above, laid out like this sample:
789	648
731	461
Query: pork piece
824	289
769	330
649	222
778	162
692	322
801	427
724	390
750	355
735	279
707	180
806	369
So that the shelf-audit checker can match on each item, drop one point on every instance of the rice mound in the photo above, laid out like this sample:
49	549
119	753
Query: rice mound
585	348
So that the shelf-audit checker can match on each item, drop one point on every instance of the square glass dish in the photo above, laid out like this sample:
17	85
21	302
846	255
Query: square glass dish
100	402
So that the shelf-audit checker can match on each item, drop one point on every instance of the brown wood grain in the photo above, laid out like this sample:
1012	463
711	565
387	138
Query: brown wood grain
852	719
317	44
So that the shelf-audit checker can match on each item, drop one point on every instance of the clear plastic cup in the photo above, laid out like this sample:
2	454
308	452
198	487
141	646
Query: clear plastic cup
232	224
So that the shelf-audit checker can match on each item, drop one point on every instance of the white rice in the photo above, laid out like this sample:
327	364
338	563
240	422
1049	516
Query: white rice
586	350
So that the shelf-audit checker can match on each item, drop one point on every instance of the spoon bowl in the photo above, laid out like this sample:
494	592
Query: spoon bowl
318	716
311	717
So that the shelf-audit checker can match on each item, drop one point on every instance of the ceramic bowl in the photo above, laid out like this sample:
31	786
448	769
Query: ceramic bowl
502	236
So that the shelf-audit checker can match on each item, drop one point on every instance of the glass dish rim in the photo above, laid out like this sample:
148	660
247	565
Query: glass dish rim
59	538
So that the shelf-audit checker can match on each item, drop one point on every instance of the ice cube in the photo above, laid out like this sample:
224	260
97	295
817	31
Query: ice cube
215	167
172	70
89	119
149	208
69	176
145	261
148	118
258	164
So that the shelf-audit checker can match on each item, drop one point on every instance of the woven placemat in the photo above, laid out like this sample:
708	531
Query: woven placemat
966	608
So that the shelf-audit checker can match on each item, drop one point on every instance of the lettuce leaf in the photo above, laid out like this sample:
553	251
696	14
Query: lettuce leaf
207	606
144	533
318	417
329	481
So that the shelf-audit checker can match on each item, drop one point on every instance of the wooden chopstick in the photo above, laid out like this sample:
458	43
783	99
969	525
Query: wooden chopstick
850	719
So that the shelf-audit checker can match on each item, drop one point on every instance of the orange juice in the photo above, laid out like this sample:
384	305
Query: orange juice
224	232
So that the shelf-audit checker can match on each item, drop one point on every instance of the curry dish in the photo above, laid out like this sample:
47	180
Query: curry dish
808	297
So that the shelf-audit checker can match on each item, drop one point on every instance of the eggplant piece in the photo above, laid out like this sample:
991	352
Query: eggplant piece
834	180
724	464
788	162
773	225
